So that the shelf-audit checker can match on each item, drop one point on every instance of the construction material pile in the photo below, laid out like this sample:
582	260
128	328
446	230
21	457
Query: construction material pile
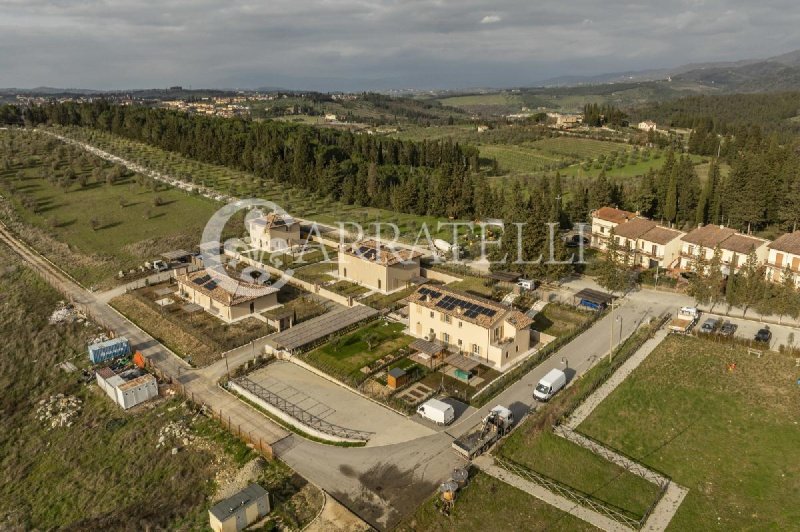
59	410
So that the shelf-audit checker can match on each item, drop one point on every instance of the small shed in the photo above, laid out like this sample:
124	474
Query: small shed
593	299
396	378
239	511
280	319
504	277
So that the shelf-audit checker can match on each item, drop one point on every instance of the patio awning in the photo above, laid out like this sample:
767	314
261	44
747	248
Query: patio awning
462	362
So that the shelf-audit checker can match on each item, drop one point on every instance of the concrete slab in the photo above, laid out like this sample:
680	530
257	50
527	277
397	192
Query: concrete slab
338	404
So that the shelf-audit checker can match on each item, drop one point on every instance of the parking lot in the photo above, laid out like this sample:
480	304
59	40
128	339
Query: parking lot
336	404
747	330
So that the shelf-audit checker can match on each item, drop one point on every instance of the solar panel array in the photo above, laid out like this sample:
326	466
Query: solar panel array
471	310
206	282
429	292
367	252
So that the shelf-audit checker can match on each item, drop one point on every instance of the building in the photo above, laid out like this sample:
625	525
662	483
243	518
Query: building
648	125
648	244
483	330
604	220
127	388
225	298
784	253
239	511
735	247
379	267
564	121
274	232
396	378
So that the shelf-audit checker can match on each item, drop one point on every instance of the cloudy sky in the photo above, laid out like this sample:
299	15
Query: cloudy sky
372	44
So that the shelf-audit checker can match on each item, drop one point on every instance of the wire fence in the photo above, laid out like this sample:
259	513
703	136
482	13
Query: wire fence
607	510
300	414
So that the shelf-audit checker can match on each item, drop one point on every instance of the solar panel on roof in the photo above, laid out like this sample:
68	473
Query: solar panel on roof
211	285
429	292
201	280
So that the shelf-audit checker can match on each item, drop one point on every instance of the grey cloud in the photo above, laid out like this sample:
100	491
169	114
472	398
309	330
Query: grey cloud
353	44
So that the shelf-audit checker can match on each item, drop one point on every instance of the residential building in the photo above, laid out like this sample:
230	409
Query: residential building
649	244
648	125
784	253
604	220
483	330
239	511
734	247
127	388
274	232
375	265
224	297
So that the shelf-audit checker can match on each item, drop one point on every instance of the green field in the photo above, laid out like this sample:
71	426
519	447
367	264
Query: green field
729	436
476	100
104	471
107	227
346	355
580	148
519	159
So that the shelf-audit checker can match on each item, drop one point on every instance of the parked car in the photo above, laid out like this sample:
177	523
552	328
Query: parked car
437	411
764	335
728	329
710	325
550	384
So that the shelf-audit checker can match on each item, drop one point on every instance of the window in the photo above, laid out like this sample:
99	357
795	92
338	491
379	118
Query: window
602	230
344	272
431	314
655	249
446	318
460	324
446	338
379	284
476	349
690	250
459	342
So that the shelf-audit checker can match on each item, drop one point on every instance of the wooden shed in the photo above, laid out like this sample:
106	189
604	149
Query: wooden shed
396	378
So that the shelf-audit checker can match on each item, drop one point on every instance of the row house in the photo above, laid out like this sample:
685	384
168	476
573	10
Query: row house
604	220
734	246
784	253
648	244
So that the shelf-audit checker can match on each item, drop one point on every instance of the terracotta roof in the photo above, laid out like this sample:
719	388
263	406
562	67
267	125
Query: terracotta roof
708	236
273	220
742	243
224	289
788	243
519	320
378	252
634	228
106	372
611	214
464	307
661	235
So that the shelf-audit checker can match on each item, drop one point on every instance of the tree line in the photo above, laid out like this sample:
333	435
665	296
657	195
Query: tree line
438	178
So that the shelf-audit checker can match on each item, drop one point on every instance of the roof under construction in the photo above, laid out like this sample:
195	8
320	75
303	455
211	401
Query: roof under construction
320	327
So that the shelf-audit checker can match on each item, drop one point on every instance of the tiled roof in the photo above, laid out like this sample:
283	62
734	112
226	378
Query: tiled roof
377	252
661	235
273	220
611	214
711	236
788	243
224	289
708	236
431	297
634	228
742	243
106	373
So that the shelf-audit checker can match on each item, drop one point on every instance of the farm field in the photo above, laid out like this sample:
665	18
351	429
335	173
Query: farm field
579	147
723	433
103	228
105	469
519	159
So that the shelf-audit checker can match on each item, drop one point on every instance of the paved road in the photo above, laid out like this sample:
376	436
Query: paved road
379	484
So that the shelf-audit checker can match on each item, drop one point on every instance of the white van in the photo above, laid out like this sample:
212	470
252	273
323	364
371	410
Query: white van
527	284
437	411
550	384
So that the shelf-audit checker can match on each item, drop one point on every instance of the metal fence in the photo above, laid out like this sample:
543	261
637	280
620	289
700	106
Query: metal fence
607	510
300	414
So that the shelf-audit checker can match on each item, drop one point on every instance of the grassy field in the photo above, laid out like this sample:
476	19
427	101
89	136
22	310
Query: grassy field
579	147
346	355
111	227
490	504
557	319
105	471
726	435
519	159
481	287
